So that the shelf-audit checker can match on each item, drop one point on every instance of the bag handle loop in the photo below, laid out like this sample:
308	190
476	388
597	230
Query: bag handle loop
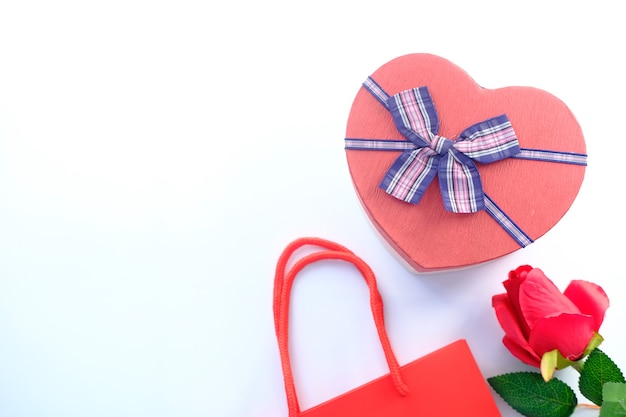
283	282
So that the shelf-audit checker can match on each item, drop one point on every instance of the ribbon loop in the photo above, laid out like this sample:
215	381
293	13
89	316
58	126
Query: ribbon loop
415	117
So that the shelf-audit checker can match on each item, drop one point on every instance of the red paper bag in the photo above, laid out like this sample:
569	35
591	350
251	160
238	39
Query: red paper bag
445	383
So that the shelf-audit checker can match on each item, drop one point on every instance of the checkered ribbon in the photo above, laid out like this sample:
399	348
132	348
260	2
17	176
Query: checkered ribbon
425	154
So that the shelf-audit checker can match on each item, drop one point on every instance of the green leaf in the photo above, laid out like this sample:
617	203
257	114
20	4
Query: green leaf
531	396
597	370
614	404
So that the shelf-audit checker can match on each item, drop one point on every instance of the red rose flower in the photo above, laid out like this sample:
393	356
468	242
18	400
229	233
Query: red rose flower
537	318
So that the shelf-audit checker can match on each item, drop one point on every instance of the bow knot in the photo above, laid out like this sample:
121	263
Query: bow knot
416	118
440	144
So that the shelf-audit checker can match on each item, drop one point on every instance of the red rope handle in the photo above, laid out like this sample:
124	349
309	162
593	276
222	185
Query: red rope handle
283	282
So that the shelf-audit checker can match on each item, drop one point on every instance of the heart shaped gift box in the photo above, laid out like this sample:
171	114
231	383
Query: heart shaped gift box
509	163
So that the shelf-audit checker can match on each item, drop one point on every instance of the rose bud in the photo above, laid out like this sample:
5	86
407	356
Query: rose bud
544	327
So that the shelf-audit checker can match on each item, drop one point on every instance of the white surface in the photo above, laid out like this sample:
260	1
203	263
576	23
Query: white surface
156	157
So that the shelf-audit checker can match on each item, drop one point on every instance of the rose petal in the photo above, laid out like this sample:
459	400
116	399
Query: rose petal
516	277
540	298
526	356
520	272
512	289
509	322
589	298
569	333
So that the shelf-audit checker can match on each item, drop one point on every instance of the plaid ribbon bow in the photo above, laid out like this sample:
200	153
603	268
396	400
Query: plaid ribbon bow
429	154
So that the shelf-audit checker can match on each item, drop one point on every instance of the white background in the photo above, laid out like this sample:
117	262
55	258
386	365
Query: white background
157	156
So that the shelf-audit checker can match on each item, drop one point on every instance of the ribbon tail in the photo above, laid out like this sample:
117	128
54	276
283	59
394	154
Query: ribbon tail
411	174
507	223
460	185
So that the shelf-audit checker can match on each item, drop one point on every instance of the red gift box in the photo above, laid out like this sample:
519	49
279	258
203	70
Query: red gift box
526	194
